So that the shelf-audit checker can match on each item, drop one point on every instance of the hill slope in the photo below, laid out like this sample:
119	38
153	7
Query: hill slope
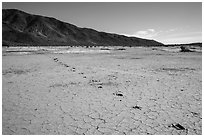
20	28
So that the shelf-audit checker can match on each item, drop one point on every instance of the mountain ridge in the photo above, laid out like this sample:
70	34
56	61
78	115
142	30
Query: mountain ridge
21	28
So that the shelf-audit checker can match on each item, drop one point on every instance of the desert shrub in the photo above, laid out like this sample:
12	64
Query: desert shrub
121	49
185	49
105	49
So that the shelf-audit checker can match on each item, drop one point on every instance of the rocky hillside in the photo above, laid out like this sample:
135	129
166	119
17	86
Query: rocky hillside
20	28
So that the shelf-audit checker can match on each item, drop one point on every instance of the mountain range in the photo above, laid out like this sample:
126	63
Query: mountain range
21	28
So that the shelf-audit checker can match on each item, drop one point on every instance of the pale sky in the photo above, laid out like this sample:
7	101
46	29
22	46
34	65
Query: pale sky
169	23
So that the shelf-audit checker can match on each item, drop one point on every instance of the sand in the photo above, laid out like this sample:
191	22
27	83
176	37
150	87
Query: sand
133	91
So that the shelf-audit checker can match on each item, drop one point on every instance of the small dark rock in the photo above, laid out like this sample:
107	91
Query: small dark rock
178	126
194	113
94	80
55	59
137	107
100	87
118	94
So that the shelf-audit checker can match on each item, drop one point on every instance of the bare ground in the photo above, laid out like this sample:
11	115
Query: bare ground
134	91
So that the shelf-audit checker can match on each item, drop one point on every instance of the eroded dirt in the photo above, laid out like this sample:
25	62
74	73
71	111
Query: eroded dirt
135	91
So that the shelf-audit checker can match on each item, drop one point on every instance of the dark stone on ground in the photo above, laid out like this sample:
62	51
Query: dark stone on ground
137	107
178	126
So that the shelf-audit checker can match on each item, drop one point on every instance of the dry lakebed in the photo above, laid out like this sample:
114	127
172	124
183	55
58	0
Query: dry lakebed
95	90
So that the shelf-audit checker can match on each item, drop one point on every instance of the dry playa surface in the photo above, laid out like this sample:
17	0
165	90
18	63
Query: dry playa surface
128	92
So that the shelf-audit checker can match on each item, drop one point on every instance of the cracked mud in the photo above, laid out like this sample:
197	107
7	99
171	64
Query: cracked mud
136	91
